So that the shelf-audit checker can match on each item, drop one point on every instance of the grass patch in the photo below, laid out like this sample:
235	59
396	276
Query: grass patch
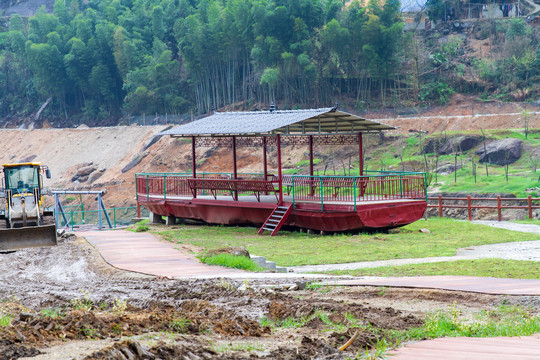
513	269
232	261
142	228
518	181
5	320
52	312
244	347
294	248
286	323
179	325
298	322
503	321
528	221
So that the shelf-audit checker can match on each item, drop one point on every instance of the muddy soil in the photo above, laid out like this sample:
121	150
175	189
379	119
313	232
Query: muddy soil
65	302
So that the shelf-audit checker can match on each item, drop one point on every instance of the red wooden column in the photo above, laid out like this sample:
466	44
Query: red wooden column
360	154
193	162
361	164
235	172
278	144
311	155
265	162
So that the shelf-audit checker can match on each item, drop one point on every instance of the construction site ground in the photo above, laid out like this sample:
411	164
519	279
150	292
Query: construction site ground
67	302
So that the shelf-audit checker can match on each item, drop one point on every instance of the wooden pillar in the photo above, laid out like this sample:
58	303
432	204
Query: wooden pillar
499	212
235	170
193	163
278	144
265	158
265	162
311	155
469	207
360	155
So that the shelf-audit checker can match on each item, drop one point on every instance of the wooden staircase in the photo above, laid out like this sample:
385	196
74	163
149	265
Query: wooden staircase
276	219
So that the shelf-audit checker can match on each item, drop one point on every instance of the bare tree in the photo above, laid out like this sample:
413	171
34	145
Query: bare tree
525	117
534	162
485	149
473	166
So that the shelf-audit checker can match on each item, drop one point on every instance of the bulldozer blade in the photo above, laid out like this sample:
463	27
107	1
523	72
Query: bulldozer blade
27	237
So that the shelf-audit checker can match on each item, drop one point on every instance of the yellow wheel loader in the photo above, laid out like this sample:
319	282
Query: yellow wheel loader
23	221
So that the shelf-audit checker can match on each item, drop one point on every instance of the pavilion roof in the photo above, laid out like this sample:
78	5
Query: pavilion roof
324	121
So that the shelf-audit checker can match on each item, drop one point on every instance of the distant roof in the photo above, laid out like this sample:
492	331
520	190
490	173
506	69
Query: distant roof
324	121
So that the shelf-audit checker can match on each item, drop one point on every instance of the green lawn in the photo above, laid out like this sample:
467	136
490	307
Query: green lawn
293	248
498	268
528	221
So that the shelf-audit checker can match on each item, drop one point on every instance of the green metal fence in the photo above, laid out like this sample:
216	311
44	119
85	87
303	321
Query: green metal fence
77	216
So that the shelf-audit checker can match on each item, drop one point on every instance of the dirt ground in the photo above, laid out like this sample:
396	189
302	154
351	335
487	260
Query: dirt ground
66	302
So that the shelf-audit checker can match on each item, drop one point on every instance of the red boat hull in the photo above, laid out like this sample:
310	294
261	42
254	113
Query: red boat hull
376	215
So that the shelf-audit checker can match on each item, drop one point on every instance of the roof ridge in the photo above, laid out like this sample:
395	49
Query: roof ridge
284	111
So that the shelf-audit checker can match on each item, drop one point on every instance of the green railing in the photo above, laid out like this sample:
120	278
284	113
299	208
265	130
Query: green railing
120	216
163	185
355	189
373	186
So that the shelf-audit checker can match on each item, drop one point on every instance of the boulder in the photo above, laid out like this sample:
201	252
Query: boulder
432	145
501	152
460	144
85	171
28	159
135	161
447	169
95	175
236	251
154	139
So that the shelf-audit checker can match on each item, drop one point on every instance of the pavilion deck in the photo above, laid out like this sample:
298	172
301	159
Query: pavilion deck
333	203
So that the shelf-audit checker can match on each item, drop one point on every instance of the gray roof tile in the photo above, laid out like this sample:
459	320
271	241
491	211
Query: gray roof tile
311	121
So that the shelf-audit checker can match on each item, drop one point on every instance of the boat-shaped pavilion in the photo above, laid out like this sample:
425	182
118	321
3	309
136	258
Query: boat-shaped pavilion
369	200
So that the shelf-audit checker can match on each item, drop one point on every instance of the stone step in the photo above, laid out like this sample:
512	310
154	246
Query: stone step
270	265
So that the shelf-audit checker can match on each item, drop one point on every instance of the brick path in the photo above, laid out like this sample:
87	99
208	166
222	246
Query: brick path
461	348
144	253
482	285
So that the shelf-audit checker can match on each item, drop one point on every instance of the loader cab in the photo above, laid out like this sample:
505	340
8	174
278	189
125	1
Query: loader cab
23	178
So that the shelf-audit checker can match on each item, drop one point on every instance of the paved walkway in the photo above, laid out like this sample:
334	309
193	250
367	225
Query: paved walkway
146	254
528	228
482	285
460	348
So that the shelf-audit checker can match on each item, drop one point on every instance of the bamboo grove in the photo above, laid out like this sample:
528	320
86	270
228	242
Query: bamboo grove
100	59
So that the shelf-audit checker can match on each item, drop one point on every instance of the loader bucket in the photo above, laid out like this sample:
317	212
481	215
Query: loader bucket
27	237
